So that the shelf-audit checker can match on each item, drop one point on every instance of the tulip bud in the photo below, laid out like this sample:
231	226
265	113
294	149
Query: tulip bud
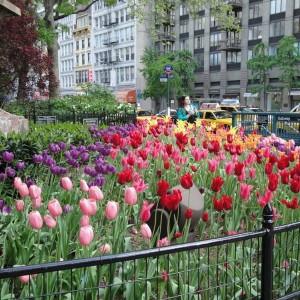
23	190
86	235
17	182
84	221
83	186
104	249
146	231
86	207
24	278
111	209
95	193
36	203
66	183
35	220
34	191
50	222
20	205
130	196
54	208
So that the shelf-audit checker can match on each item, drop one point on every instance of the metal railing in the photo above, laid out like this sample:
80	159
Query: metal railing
284	125
264	264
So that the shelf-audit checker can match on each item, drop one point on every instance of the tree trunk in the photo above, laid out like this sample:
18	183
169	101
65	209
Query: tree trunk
22	82
52	50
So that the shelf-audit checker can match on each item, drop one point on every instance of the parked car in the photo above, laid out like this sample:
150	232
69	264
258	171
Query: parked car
217	116
144	115
173	114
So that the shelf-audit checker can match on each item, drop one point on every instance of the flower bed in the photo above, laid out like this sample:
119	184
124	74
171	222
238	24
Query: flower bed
96	198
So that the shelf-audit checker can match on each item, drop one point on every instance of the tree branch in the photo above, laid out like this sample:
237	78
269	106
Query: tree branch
59	17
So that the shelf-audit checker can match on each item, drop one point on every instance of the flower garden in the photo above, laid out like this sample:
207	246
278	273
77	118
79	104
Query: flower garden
90	192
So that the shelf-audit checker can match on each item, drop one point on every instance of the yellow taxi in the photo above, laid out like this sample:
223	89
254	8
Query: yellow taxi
216	117
144	115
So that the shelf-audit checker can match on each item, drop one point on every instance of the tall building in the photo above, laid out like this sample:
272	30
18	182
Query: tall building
223	55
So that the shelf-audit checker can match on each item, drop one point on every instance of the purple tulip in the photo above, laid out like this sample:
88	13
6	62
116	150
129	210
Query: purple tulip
111	169
67	208
75	154
2	202
92	148
8	156
54	148
2	177
62	145
55	170
20	165
10	172
37	158
30	182
6	210
62	171
81	148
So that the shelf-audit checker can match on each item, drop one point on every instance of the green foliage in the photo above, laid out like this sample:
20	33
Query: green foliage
46	35
183	70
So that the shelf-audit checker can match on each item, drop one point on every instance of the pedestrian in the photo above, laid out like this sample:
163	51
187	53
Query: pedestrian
186	111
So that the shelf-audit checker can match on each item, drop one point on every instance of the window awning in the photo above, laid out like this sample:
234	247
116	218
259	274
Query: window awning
128	96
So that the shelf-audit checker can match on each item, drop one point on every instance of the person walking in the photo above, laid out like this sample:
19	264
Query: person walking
186	111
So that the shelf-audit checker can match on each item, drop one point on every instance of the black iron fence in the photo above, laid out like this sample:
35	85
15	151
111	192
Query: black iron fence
104	117
256	265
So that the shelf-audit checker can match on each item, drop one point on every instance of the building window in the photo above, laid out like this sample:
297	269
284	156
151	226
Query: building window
83	59
199	58
183	27
255	32
233	57
213	21
273	50
277	28
89	43
183	45
250	53
278	6
255	11
82	44
77	45
77	60
297	4
132	73
182	9
199	23
199	42
296	25
214	39
215	59
297	46
89	57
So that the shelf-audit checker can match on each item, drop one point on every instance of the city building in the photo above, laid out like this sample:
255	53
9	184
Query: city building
222	55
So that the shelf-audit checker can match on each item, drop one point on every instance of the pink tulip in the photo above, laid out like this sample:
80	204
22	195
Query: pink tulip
24	278
36	203
86	235
130	196
93	206
35	220
54	208
66	183
146	231
95	193
87	207
213	164
23	190
17	182
50	222
20	205
111	209
83	186
34	191
84	221
104	249
242	177
245	190
145	213
252	173
163	242
229	168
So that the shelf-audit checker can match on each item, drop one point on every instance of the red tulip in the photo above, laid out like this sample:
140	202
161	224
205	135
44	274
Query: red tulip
171	200
167	165
186	181
34	191
238	168
295	186
292	204
145	213
111	210
285	176
218	204
49	221
164	275
83	186
188	213
205	217
163	186
177	235
66	183
273	182
229	138
20	205
35	220
23	190
54	208
95	193
268	168
86	235
217	183
146	231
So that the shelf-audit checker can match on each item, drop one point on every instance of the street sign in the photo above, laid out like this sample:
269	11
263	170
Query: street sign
46	120
90	121
168	69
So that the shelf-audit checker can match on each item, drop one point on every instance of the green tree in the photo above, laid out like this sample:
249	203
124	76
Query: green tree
183	71
260	64
287	61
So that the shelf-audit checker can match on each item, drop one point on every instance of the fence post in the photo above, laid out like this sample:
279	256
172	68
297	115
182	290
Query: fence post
74	116
267	253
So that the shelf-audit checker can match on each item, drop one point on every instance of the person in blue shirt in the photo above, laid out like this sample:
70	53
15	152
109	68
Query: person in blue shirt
186	111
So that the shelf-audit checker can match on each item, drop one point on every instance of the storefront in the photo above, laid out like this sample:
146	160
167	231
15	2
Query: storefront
252	100
128	96
295	97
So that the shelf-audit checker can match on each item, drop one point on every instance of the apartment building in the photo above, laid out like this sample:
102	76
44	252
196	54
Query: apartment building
223	55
